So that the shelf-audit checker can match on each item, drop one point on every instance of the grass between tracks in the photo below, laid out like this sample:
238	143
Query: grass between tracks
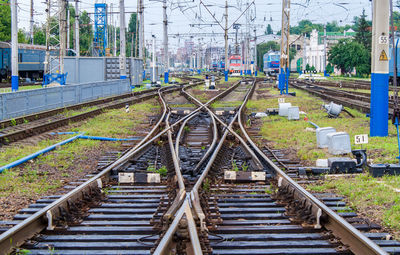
374	198
47	172
283	133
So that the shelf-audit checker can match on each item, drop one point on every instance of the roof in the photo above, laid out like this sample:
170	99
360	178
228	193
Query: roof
23	46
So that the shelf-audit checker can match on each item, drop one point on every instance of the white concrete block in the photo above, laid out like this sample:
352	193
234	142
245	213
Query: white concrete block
321	133
293	113
339	143
284	109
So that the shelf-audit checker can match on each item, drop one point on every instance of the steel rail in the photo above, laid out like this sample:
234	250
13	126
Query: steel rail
16	235
349	235
179	206
248	149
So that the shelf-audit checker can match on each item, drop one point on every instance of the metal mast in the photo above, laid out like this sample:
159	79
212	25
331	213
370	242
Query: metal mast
226	40
166	57
284	63
14	46
77	46
32	22
54	65
122	54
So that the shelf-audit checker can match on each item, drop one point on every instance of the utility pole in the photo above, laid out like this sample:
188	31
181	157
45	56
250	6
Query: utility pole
14	46
226	40
380	69
285	60
68	26
122	54
32	22
141	33
77	46
115	37
63	30
198	56
166	58
154	59
325	49
255	52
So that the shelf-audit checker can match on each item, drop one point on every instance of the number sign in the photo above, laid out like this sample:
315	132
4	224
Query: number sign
361	139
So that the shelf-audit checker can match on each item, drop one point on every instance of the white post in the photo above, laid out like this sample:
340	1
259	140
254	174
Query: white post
324	48
77	46
14	46
32	21
154	59
115	37
122	53
68	27
380	69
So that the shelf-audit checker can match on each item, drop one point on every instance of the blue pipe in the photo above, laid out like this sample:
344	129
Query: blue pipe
96	137
312	123
107	138
38	153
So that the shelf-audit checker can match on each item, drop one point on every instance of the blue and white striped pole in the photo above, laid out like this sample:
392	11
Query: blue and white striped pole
380	69
14	46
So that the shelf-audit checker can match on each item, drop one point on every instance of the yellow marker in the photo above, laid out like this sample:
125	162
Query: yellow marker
383	56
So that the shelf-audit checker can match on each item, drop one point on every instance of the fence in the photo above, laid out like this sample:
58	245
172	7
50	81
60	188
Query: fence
93	69
33	101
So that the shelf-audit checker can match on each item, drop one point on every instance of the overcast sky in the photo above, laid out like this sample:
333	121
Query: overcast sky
182	13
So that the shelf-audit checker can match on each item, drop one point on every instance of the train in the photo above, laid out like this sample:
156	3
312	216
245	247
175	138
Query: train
30	60
271	62
235	65
391	64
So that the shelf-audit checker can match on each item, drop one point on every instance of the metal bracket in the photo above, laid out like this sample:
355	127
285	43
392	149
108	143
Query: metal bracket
49	216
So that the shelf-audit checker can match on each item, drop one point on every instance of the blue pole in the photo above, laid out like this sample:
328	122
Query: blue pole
287	80
166	77
281	84
226	75
398	136
379	104
14	83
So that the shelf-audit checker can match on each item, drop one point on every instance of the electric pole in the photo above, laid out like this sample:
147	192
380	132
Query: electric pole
32	21
154	59
68	26
325	49
226	40
63	30
380	69
77	46
255	52
285	60
122	54
166	58
141	33
304	53
14	46
115	37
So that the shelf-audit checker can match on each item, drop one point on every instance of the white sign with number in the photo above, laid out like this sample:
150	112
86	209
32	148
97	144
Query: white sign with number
281	100
361	139
383	39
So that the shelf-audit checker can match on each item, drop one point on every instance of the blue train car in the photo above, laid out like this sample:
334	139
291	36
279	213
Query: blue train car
271	62
30	60
391	59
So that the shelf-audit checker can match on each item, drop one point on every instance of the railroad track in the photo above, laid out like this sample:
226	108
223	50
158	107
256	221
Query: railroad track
20	128
221	194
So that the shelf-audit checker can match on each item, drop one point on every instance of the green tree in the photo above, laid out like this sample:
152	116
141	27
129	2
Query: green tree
85	34
264	48
349	54
269	30
5	21
362	27
22	36
39	36
131	36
